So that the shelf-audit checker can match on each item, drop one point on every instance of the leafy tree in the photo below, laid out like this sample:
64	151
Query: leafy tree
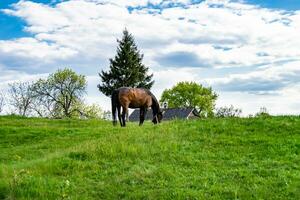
228	112
64	89
191	94
21	97
126	69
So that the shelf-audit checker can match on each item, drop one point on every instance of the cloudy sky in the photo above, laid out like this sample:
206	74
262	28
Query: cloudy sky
247	51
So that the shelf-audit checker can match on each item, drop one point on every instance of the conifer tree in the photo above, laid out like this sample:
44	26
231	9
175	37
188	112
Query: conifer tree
126	69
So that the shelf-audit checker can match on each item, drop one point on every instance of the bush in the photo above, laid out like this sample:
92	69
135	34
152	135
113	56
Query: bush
93	111
228	112
263	112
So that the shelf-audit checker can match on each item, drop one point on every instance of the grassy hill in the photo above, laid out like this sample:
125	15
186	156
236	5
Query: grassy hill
256	158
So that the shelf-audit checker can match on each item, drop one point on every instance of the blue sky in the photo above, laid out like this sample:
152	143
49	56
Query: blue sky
278	4
248	54
12	27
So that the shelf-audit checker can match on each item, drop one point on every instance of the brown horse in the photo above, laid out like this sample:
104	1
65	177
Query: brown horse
127	97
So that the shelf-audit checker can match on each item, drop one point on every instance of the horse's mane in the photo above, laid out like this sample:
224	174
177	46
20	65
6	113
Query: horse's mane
153	97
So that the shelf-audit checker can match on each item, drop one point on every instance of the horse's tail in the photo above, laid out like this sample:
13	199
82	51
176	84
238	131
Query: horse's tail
114	102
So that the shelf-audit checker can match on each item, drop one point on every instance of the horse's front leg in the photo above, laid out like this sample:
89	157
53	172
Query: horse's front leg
142	115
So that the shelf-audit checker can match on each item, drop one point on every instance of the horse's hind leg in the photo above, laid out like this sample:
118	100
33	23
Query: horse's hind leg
124	113
119	115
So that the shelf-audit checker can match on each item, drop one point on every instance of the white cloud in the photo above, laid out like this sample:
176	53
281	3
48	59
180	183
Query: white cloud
215	33
31	48
271	78
284	103
164	79
9	76
245	30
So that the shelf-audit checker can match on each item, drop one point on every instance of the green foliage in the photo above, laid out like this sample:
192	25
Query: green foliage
191	94
64	89
229	158
126	69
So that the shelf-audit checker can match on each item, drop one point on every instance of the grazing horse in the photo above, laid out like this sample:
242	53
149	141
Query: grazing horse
127	97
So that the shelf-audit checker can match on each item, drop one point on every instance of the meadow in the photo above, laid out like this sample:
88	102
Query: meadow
231	158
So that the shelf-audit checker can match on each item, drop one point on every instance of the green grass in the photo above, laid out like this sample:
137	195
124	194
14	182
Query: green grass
256	158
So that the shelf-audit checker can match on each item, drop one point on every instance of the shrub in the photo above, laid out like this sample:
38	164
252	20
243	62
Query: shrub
228	112
263	112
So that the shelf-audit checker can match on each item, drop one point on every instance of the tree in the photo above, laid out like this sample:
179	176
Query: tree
43	106
126	69
228	112
21	97
64	89
191	94
2	102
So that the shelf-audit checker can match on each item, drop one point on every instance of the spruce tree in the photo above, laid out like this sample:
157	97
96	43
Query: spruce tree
126	69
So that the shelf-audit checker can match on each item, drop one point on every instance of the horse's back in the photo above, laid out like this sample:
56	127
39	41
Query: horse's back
134	97
133	92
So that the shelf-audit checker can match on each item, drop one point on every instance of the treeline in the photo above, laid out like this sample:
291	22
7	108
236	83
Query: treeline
59	95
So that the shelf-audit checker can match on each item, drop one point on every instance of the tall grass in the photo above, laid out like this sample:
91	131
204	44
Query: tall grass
255	158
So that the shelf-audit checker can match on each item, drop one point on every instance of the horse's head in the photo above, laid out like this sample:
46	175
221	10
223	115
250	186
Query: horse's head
157	118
